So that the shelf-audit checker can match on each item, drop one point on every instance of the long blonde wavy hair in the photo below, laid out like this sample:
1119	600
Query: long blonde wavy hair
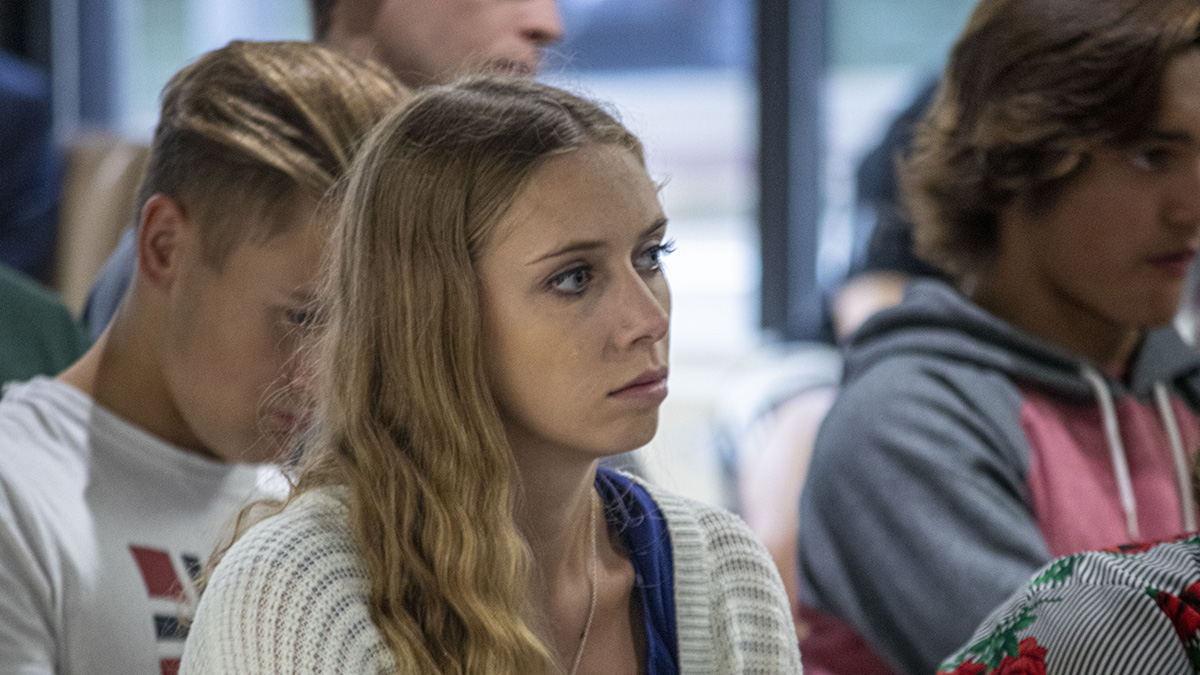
406	418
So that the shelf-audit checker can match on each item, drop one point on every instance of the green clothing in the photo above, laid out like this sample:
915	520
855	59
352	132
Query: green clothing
38	335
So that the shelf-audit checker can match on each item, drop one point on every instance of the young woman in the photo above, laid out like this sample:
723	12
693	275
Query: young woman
1041	405
497	322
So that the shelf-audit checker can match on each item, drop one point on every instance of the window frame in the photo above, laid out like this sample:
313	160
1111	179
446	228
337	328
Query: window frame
792	58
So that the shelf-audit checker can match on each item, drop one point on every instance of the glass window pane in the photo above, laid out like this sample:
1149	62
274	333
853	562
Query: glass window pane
158	37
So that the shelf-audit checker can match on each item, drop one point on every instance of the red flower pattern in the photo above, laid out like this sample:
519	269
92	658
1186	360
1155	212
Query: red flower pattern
1030	660
1182	611
1191	595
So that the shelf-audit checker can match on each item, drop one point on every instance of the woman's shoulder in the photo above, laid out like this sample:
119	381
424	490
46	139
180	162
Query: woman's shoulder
308	537
291	595
710	530
732	611
305	548
717	544
709	547
315	519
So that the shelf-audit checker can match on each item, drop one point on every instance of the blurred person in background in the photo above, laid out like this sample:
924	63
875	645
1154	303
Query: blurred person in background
423	42
117	476
31	173
1042	404
773	451
427	42
38	335
888	262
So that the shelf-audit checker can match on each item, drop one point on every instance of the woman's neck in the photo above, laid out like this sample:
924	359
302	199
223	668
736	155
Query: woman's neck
562	518
554	512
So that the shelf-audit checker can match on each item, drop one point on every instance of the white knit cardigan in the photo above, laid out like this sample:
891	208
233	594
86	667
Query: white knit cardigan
290	597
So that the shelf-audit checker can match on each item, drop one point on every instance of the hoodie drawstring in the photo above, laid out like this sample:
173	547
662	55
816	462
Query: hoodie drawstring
1115	447
1187	501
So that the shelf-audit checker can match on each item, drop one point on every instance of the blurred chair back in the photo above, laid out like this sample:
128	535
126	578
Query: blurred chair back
98	203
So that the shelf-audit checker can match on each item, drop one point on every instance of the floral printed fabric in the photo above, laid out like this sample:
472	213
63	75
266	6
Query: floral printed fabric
1133	609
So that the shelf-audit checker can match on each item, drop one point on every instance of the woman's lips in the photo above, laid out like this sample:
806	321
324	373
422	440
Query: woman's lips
649	387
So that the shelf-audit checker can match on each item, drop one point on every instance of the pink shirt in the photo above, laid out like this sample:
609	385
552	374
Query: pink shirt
1071	479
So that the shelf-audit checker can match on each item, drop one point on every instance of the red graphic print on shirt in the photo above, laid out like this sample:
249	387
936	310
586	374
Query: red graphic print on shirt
164	584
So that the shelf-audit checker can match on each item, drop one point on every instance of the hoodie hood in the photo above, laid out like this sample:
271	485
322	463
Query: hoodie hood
934	320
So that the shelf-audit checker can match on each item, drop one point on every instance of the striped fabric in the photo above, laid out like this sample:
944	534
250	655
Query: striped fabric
1133	610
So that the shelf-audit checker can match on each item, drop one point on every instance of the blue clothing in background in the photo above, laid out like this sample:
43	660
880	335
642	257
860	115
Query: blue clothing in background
636	519
110	286
30	170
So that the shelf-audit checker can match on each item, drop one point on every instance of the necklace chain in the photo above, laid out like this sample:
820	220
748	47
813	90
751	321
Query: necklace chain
587	627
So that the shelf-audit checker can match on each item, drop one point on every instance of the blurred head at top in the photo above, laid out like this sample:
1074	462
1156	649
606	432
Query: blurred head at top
433	41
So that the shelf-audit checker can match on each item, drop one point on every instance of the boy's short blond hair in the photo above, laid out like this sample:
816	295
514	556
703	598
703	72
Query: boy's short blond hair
251	130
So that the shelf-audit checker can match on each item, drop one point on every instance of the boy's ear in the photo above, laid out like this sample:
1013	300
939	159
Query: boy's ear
164	238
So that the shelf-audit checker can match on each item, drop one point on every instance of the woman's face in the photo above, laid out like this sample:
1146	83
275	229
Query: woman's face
576	307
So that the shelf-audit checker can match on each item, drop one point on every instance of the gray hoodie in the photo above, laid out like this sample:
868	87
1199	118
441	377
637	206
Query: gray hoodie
964	453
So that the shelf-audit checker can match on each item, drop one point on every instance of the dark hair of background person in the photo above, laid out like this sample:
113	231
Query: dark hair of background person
1030	90
321	13
888	245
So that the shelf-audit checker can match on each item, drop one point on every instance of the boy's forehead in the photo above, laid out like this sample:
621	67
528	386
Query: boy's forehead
1180	114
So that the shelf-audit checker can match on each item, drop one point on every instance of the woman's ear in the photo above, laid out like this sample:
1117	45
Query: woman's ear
164	234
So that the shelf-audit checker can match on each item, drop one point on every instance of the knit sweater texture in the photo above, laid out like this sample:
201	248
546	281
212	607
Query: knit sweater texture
291	597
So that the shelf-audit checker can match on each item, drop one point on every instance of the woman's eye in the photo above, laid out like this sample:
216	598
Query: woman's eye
573	281
651	258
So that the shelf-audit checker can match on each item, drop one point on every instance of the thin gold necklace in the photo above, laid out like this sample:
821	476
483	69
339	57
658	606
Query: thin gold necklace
587	627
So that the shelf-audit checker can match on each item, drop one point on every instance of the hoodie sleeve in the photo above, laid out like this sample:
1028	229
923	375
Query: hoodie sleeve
915	520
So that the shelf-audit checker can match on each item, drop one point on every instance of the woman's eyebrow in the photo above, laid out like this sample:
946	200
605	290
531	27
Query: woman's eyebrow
592	244
573	247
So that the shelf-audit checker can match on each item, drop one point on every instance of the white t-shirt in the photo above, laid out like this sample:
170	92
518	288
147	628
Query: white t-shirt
101	527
